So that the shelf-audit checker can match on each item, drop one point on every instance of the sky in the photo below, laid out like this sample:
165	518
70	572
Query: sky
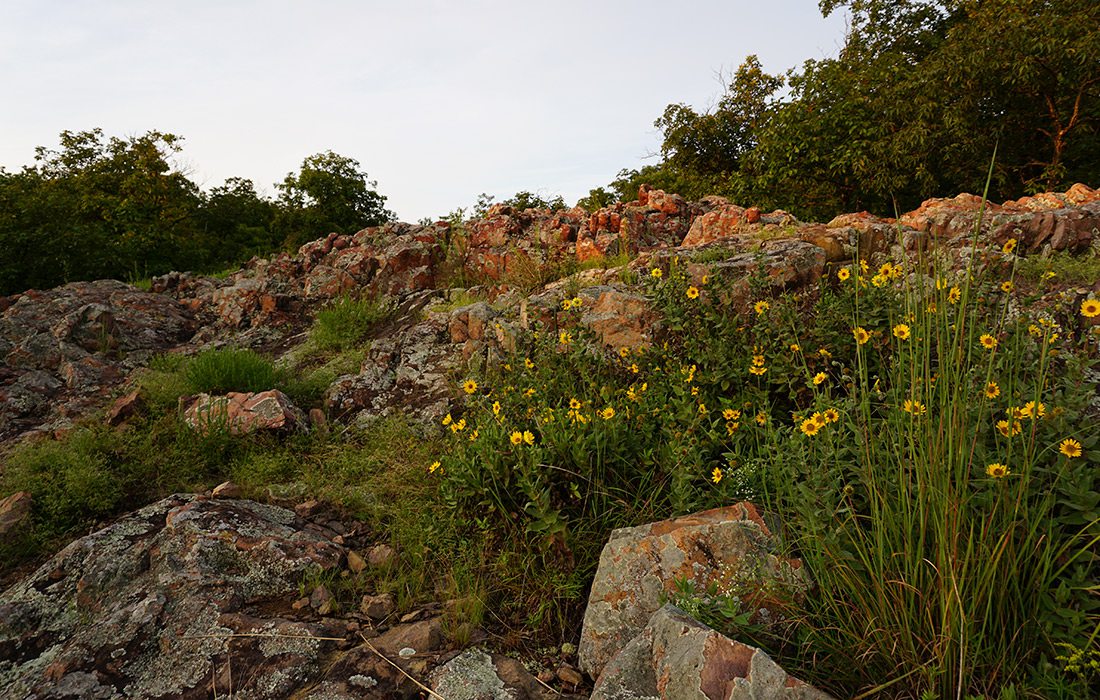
438	101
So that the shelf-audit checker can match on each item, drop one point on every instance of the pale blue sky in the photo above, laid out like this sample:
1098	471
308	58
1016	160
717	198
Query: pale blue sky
438	101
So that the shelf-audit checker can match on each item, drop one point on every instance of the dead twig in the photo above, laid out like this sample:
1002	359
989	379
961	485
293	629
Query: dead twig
382	656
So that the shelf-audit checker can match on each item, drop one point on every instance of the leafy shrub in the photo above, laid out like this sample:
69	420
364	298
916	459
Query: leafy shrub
923	437
346	321
230	369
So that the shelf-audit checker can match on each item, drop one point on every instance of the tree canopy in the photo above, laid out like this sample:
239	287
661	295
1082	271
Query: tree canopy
98	207
912	107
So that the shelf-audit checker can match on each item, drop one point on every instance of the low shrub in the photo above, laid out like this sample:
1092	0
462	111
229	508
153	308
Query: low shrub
923	437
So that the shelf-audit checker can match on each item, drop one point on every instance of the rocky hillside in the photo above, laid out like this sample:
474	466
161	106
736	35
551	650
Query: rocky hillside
65	350
211	595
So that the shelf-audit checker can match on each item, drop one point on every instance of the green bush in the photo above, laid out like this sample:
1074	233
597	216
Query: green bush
230	369
347	321
923	437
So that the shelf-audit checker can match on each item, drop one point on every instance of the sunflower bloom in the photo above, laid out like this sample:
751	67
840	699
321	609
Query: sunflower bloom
434	466
861	334
1006	286
1033	410
607	413
831	415
992	391
901	331
843	274
820	378
758	371
565	337
760	307
655	273
692	292
716	475
988	342
1070	448
1090	308
1009	246
574	404
810	427
528	363
761	419
516	437
731	414
913	407
996	470
528	437
469	386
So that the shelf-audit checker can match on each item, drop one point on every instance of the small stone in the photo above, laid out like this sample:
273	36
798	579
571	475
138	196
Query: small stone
227	489
406	652
14	510
380	555
355	562
319	597
308	508
377	607
546	675
336	526
300	603
569	675
125	408
410	616
338	539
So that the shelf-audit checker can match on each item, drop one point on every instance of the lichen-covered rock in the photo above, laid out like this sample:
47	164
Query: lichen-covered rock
149	607
62	350
242	413
478	675
728	546
675	656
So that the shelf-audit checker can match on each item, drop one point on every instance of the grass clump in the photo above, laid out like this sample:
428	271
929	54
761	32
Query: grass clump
1060	268
229	369
347	321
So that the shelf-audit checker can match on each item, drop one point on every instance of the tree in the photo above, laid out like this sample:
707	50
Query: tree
236	223
329	193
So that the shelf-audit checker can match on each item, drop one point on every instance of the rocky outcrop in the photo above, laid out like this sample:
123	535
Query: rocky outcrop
62	350
675	656
477	675
728	547
199	597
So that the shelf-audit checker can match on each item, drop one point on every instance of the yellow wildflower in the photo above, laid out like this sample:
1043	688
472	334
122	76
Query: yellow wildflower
819	378
528	363
810	427
879	280
731	414
1009	246
473	435
988	342
761	418
758	371
861	335
1006	286
992	391
496	408
716	475
954	295
1070	448
1090	308
434	466
916	408
574	404
997	470
516	437
1033	410
843	274
565	337
607	414
469	386
702	409
528	437
447	419
760	307
831	415
655	273
901	331
692	292
795	347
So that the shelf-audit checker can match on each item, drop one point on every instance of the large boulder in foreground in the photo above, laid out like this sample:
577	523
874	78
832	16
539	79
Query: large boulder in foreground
675	656
730	547
150	607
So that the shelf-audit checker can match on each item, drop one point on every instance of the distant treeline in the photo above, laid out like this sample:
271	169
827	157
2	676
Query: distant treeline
102	207
913	107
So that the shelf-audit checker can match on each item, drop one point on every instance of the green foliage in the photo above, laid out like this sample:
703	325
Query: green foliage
99	207
230	369
346	321
328	193
933	572
919	96
1062	268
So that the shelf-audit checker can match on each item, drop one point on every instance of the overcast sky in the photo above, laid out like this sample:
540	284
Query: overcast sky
438	101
